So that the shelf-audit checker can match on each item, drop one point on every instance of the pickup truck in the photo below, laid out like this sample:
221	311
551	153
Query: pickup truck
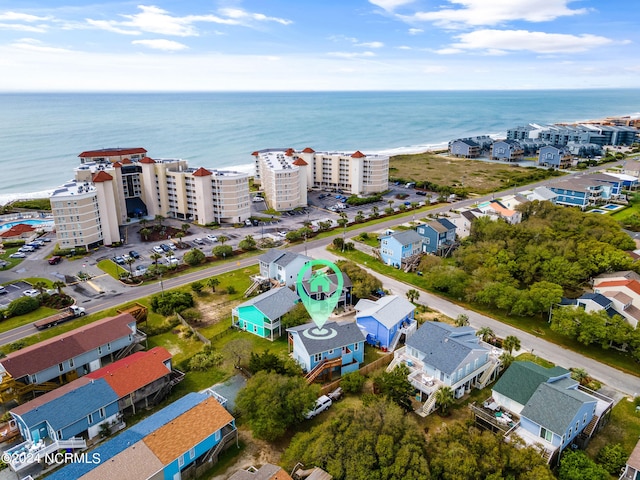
70	313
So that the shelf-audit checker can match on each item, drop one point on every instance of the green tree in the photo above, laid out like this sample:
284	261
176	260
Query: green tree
248	243
444	399
395	386
375	211
271	362
373	443
511	343
462	320
59	285
194	257
486	333
159	220
506	359
544	295
239	350
271	403
129	261
223	239
298	315
413	295
212	283
580	375
40	286
22	305
144	233
576	465
222	251
292	236
359	216
185	227
612	458
343	220
352	382
172	301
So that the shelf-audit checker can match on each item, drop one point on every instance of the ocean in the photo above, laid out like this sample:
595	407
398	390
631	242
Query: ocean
42	134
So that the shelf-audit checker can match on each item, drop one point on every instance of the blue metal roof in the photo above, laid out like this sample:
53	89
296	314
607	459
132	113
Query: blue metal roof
73	406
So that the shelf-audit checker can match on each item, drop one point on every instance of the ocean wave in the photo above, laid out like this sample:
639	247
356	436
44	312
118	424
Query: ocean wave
12	197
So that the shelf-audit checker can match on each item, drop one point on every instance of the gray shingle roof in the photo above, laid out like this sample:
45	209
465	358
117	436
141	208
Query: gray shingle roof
333	283
274	303
407	237
388	310
347	334
266	472
446	224
445	347
522	379
554	406
280	257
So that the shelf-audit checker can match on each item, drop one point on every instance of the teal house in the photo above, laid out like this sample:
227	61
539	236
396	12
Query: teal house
261	315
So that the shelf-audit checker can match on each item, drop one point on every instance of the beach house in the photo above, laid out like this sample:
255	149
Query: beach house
397	247
262	315
282	266
386	320
439	355
464	147
338	349
438	236
507	150
554	156
631	470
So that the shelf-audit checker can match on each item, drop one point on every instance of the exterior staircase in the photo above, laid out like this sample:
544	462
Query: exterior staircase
321	367
589	429
486	375
397	359
429	406
224	441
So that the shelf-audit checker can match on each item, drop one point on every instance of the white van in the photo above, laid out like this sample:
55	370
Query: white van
322	404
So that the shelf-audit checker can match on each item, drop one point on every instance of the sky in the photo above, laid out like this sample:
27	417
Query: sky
318	45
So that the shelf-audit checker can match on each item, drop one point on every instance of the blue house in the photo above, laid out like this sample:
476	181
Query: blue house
340	351
507	150
261	315
617	184
437	235
398	246
580	192
282	266
385	320
170	444
554	410
554	156
465	147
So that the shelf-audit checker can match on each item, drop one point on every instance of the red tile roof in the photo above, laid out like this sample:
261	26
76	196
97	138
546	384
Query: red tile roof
632	285
17	230
300	162
147	160
117	165
201	172
45	354
308	150
289	152
358	154
126	161
112	152
135	371
102	176
255	154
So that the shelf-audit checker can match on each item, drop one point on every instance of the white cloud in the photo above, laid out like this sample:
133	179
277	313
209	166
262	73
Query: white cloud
498	41
20	27
23	22
161	44
34	45
111	27
404	47
243	15
351	54
370	44
22	17
415	31
495	12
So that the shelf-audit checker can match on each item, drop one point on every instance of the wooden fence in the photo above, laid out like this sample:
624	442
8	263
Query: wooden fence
201	337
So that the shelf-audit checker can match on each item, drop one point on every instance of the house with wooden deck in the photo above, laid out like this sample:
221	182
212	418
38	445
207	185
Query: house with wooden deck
336	349
47	364
439	355
465	148
438	236
386	320
507	150
544	407
555	156
262	315
399	246
282	266
182	440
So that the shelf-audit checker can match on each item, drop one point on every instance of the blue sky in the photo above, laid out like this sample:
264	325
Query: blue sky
186	45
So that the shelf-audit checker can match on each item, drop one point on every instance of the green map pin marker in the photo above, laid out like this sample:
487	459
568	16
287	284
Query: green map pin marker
319	284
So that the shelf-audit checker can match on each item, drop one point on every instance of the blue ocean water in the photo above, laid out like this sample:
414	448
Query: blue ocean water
42	134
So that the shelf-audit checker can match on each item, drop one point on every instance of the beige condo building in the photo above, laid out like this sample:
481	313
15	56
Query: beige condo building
118	188
285	175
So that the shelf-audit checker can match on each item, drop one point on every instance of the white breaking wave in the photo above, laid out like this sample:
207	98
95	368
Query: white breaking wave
10	197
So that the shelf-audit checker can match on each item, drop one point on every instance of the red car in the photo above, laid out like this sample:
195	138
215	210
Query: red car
55	260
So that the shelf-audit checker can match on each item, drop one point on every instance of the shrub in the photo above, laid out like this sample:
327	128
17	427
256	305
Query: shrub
171	302
191	315
223	251
612	458
194	257
352	382
15	346
22	305
205	359
231	289
197	287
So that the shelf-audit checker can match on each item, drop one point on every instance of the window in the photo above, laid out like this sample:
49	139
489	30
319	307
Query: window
90	418
356	346
192	453
546	434
317	357
181	461
584	419
71	363
102	412
99	350
61	367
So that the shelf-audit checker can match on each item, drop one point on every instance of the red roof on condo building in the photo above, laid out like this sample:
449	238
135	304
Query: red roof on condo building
147	160
289	152
135	371
45	354
117	165
102	176
300	162
112	152
17	230
126	161
201	172
255	154
358	154
308	150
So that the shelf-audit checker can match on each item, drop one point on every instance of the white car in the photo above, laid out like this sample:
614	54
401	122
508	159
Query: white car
213	238
17	255
257	199
199	241
322	404
158	249
31	293
26	249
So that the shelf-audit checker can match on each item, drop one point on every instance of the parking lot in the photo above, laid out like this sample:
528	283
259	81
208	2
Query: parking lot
13	290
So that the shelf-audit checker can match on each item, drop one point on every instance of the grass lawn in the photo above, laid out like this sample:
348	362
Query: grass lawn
14	322
623	428
534	325
112	268
12	261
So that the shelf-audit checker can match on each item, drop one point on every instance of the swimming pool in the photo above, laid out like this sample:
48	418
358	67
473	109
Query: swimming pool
612	206
597	210
29	221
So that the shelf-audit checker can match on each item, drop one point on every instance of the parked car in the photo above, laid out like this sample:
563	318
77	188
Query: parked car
17	255
31	293
26	249
322	404
56	259
3	290
212	237
247	222
257	199
158	249
45	239
134	254
172	246
199	241
119	260
165	247
34	245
